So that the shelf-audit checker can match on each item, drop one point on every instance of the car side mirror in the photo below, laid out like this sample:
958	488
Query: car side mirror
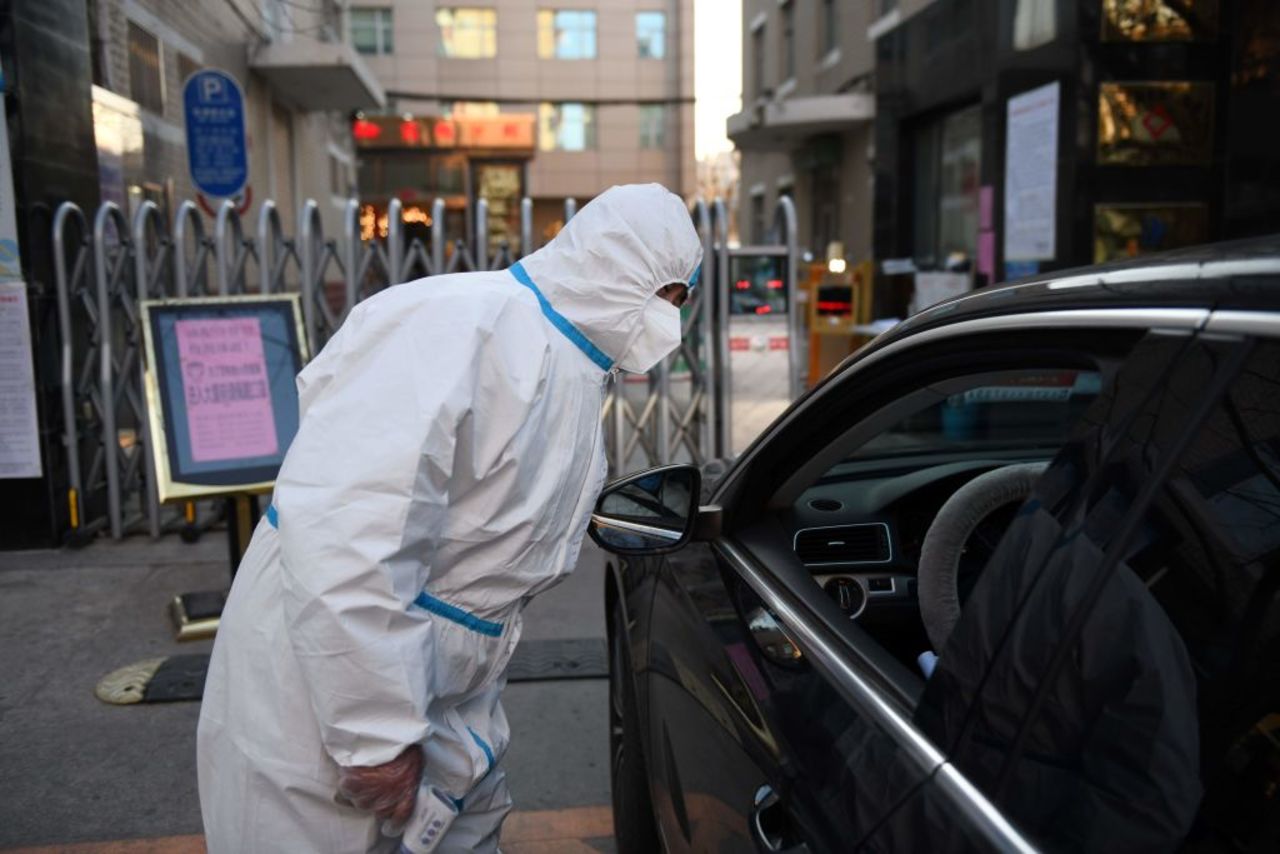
651	513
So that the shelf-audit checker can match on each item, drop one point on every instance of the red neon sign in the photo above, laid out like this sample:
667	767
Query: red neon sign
764	309
774	284
365	130
445	133
742	285
411	132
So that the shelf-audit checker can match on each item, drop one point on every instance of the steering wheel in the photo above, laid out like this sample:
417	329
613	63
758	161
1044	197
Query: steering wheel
944	543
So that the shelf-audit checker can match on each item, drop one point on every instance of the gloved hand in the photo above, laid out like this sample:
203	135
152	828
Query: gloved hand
387	790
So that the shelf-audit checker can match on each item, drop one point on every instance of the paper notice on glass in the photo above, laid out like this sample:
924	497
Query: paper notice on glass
1031	174
19	430
224	377
933	288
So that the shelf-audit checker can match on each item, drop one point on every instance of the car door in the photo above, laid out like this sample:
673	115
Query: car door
1118	661
775	720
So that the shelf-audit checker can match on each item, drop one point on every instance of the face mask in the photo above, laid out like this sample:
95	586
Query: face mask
659	335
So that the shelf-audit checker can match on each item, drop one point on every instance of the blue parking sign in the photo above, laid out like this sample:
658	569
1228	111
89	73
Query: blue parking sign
216	150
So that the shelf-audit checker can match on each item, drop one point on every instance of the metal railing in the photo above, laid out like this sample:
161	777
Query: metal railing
674	414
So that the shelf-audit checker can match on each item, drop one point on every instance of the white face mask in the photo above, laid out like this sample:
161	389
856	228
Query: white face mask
659	336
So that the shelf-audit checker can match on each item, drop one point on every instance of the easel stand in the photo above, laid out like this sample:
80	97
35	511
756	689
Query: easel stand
195	615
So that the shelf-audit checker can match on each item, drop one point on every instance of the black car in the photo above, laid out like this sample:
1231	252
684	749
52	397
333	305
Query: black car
1008	578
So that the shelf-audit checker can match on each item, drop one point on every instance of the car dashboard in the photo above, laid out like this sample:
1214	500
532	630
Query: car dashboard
860	529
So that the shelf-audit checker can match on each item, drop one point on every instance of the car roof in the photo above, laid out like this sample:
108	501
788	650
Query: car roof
1240	274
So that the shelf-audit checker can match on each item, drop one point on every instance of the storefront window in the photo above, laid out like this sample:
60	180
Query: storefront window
1155	124
948	161
566	34
651	34
500	185
566	127
1126	231
1159	20
467	33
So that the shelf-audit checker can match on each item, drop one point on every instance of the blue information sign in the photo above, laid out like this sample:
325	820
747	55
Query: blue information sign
216	151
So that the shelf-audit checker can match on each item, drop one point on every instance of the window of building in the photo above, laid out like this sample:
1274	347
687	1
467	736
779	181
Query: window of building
653	126
948	160
339	177
472	109
371	30
788	40
146	75
186	67
564	34
566	127
828	37
651	34
468	33
757	61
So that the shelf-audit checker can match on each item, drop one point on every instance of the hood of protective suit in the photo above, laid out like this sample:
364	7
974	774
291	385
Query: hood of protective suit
604	268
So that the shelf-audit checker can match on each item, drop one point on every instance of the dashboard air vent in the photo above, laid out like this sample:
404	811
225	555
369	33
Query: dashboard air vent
826	505
866	543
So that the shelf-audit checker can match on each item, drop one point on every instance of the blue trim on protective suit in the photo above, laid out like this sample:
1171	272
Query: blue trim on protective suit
427	602
559	321
697	274
488	751
273	517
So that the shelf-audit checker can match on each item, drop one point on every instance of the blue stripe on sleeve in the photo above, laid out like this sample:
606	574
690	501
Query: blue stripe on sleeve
453	613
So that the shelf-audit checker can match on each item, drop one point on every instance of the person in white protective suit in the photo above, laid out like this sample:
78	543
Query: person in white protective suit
447	461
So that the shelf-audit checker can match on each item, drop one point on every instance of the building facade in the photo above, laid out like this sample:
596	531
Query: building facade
559	102
300	82
94	112
1022	136
1000	138
805	130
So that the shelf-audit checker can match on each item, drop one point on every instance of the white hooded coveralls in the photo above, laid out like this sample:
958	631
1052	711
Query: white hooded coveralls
447	460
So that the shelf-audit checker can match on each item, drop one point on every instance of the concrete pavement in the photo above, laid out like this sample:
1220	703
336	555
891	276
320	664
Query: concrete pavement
77	771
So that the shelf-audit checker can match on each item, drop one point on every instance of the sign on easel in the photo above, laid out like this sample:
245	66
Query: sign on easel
221	393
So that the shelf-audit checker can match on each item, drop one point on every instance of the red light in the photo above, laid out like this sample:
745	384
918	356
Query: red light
842	307
411	132
764	309
742	285
774	284
444	133
365	130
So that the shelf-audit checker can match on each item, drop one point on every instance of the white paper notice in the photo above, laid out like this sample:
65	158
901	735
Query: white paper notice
933	288
19	439
1031	175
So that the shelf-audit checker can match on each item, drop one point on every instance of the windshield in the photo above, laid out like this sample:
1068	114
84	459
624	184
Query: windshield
1021	409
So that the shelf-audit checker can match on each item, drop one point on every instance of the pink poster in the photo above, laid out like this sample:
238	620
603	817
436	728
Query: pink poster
224	376
986	206
987	253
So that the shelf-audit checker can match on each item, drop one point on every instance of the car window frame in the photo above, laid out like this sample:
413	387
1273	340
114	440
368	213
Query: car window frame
845	654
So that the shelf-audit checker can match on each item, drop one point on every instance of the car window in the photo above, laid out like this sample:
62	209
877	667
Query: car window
862	529
1112	680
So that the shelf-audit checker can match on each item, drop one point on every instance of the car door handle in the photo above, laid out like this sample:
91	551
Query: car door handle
771	825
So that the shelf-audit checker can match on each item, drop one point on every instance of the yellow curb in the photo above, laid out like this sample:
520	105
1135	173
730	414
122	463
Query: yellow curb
531	832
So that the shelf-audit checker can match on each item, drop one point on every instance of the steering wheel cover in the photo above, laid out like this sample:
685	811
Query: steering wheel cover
939	568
